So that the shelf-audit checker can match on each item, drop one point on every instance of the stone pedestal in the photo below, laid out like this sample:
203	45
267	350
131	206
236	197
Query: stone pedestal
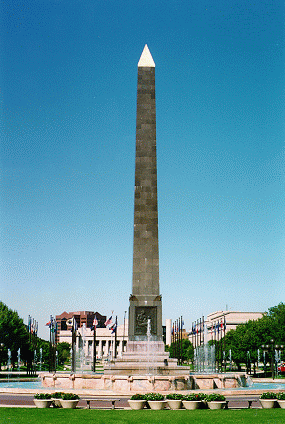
145	358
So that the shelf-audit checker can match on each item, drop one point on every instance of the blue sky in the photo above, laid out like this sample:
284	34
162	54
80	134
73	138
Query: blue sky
68	77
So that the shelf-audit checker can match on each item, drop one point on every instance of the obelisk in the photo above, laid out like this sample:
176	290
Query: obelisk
145	352
145	300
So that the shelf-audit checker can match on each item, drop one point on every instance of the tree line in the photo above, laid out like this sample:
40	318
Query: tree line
14	335
246	341
244	344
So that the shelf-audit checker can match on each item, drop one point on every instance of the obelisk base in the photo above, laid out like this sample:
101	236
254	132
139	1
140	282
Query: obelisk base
145	358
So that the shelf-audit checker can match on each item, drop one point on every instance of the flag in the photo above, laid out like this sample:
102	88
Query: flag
74	324
72	321
95	322
113	328
225	323
108	321
218	327
33	326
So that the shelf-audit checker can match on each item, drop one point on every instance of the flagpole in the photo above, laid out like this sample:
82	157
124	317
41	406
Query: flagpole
73	345
221	346
94	348
178	342
124	331
50	346
112	343
174	330
181	339
225	340
116	338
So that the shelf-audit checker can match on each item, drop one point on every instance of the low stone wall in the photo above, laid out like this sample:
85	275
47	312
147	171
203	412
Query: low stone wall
216	381
117	383
139	383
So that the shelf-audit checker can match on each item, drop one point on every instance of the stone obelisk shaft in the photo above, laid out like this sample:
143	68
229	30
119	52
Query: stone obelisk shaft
145	301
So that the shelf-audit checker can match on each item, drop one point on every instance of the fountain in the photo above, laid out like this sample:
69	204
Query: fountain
35	361
145	365
83	358
151	351
41	358
205	359
19	359
9	363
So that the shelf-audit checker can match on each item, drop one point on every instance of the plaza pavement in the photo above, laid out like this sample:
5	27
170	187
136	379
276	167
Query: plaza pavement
238	398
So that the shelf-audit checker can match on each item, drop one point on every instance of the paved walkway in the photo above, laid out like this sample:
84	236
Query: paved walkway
26	401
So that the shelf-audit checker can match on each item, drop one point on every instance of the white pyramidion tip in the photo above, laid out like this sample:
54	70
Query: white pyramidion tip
146	58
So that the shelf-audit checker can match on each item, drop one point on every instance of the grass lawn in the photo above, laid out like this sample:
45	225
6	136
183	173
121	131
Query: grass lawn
93	416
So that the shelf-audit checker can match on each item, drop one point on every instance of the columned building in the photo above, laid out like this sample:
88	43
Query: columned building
105	340
217	324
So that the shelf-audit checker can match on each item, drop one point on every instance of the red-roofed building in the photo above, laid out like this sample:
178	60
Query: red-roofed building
81	317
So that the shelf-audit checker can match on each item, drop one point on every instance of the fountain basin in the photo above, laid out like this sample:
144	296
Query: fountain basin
140	383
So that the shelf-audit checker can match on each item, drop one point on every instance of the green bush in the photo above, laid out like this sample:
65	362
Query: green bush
57	395
281	396
268	395
42	396
69	396
154	396
138	397
193	396
174	396
215	397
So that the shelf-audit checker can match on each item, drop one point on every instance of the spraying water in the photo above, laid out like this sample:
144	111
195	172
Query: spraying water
151	351
41	358
19	359
204	359
9	363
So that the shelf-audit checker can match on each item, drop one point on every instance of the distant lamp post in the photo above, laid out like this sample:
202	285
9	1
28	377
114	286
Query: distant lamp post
271	348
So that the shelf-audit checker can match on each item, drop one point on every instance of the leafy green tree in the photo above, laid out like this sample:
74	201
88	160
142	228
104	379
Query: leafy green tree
13	335
187	350
63	350
45	346
277	316
245	341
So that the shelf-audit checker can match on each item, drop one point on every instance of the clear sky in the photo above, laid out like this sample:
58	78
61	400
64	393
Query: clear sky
68	97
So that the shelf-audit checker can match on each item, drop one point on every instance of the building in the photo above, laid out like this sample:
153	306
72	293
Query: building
217	324
105	340
81	317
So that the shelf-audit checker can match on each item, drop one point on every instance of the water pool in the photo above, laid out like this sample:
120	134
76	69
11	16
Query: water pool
21	384
37	385
266	386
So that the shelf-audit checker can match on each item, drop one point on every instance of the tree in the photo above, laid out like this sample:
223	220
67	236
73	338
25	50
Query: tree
45	346
63	350
187	350
245	341
13	335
